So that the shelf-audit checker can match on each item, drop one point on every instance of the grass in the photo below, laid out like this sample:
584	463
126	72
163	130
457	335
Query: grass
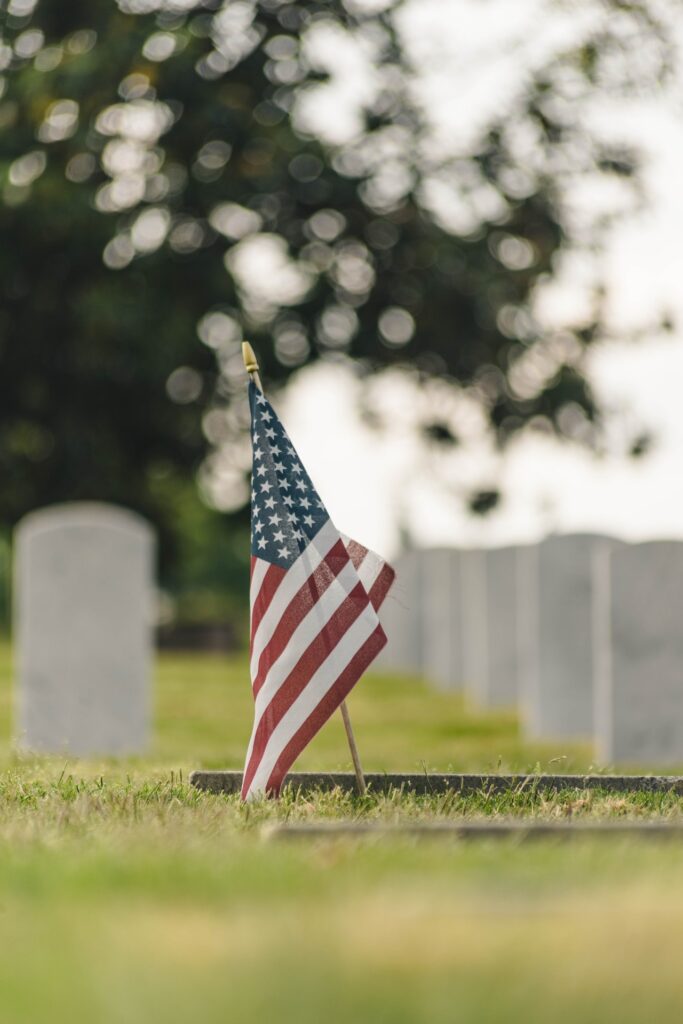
205	710
127	897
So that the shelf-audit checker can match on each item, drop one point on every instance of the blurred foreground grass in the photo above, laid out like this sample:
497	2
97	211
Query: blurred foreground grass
125	896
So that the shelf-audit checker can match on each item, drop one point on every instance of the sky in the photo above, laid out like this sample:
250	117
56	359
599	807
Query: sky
471	55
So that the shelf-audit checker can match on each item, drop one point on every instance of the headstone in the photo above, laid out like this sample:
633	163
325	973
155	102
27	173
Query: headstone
401	617
639	654
83	586
474	625
441	618
502	680
556	590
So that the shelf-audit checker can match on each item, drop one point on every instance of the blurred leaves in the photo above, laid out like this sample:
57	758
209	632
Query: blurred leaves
483	502
163	194
440	434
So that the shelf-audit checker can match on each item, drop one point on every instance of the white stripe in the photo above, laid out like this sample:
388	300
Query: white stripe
307	562
349	540
370	568
305	633
321	682
260	569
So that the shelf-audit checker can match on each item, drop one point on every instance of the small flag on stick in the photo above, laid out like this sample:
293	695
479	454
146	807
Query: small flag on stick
314	600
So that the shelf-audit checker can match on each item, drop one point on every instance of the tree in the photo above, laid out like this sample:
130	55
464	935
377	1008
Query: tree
151	152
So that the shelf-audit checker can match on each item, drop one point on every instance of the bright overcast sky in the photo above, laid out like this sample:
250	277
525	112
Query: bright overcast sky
372	485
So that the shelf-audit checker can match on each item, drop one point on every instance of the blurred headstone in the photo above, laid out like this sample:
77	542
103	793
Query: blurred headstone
83	604
500	688
401	617
474	625
556	591
639	653
441	618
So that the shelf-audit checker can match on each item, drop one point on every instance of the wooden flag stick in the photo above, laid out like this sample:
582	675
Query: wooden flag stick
357	766
252	368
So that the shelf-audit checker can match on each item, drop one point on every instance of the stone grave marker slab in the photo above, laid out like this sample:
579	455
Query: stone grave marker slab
442	618
474	625
557	642
639	653
83	630
401	617
502	680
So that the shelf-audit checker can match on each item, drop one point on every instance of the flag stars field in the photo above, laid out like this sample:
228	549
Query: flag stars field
280	535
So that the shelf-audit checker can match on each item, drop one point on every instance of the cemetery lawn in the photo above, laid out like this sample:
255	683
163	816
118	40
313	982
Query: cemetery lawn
126	897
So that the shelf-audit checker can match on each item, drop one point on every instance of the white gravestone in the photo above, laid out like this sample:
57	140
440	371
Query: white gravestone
556	591
502	679
639	653
474	625
441	618
83	603
401	617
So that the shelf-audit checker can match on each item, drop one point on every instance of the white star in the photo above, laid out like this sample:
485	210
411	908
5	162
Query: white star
266	487
284	485
258	527
301	485
297	535
279	537
266	417
283	553
288	500
309	520
255	508
270	502
270	433
261	471
258	454
292	518
297	468
275	450
305	503
274	520
319	503
260	398
278	467
261	542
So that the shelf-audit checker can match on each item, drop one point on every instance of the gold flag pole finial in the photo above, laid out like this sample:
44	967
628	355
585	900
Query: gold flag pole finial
251	363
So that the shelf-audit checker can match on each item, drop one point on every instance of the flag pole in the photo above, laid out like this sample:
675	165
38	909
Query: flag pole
252	368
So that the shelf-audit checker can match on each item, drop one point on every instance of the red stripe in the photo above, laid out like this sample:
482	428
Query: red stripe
327	706
380	588
356	552
300	676
269	584
302	602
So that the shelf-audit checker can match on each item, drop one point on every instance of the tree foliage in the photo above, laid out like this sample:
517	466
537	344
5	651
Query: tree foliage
162	195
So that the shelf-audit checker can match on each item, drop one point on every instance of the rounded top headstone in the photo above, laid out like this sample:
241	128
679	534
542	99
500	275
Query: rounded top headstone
578	536
84	513
83	591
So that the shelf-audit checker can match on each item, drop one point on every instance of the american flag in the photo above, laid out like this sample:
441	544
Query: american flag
314	598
